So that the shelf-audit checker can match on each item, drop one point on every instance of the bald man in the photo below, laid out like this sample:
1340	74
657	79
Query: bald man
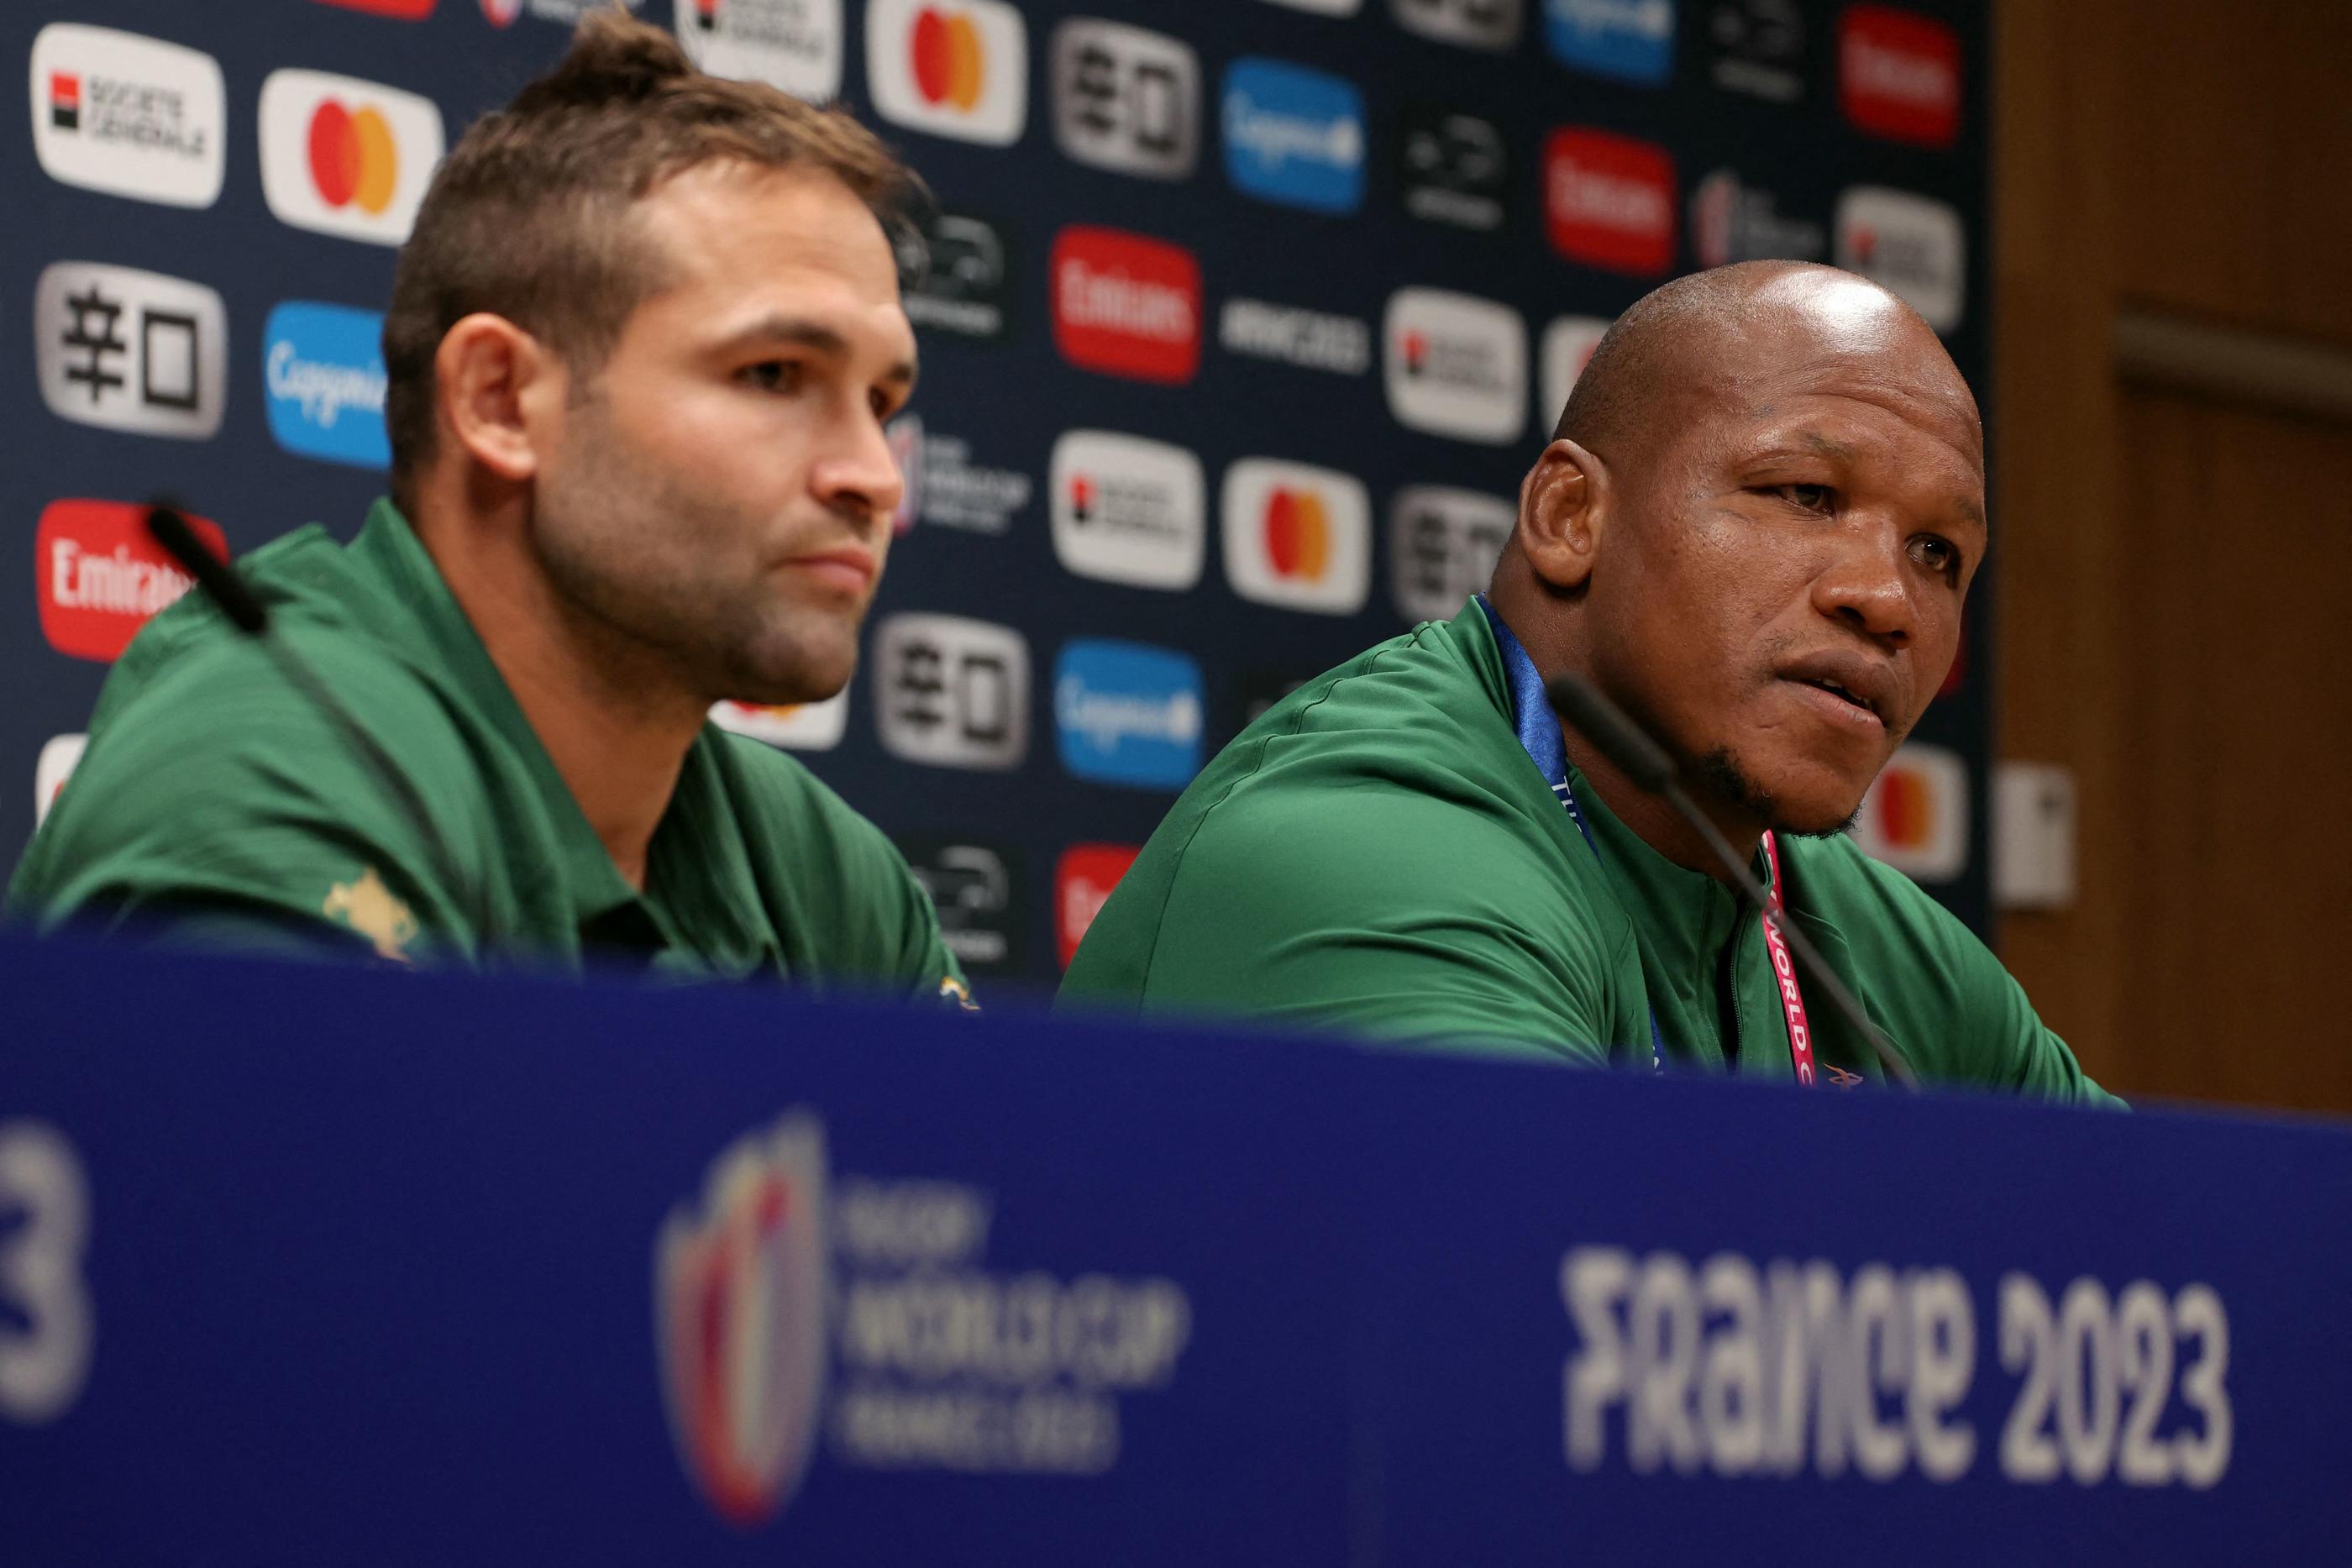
1755	527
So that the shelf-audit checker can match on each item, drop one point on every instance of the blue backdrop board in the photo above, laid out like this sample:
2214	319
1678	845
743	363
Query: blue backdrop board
307	1265
1245	318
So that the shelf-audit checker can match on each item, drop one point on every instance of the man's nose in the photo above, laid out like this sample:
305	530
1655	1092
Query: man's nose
860	473
1868	588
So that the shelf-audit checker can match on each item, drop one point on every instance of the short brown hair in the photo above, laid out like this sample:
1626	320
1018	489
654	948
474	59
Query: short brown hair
527	217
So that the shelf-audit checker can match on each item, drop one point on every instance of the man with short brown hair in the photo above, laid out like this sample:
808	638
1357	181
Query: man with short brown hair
642	341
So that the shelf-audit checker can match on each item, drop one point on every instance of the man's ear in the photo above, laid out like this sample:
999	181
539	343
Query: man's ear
1563	511
493	381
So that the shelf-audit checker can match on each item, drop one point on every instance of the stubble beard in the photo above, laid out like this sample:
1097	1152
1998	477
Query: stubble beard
629	549
1718	775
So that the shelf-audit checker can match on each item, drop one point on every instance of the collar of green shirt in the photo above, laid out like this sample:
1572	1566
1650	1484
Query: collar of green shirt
424	621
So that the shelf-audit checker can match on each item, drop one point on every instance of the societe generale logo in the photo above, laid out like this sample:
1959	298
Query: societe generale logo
1455	365
1916	815
1296	536
1083	881
103	576
129	115
740	1293
1910	245
1609	201
342	156
951	67
1127	305
60	755
1128	510
1899	75
796	727
794	45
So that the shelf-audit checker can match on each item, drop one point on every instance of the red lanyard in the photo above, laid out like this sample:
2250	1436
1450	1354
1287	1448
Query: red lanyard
1784	970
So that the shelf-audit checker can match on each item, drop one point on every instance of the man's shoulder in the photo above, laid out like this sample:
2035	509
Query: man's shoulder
1869	901
791	811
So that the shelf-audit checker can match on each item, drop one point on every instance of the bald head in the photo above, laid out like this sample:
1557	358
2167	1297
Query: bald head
1756	531
1730	327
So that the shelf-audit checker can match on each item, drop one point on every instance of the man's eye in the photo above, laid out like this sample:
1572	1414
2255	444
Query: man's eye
774	375
1940	556
1810	497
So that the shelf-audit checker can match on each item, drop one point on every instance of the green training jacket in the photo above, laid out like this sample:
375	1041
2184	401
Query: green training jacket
218	803
1376	855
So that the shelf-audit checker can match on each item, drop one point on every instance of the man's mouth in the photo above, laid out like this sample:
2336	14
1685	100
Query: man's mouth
1823	685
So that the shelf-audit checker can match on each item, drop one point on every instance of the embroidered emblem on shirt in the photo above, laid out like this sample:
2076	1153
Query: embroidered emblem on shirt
1841	1078
366	905
954	990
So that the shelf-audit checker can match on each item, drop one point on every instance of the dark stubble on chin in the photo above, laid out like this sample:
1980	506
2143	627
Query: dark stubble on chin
627	544
1718	776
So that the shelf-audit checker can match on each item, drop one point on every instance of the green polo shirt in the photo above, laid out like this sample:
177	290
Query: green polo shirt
1378	855
217	801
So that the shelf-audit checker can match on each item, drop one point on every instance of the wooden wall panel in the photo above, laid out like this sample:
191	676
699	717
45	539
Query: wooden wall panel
2196	159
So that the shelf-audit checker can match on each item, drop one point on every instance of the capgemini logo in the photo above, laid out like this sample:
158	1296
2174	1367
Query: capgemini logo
738	1313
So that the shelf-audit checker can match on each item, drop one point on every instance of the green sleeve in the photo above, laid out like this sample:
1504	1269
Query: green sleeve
1976	1027
219	807
1385	913
864	923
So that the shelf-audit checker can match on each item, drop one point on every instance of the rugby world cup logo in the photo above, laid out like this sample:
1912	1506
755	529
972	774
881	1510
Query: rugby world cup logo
739	1309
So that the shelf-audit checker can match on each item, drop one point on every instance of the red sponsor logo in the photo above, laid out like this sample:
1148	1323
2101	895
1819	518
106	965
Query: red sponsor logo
1127	305
1083	879
101	576
1899	75
406	10
1609	201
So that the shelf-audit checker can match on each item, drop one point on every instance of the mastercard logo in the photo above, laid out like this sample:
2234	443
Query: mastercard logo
950	64
353	159
1298	535
950	68
1904	809
344	156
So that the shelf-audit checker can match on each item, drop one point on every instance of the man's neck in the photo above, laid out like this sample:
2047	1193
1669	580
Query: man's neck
1553	639
615	724
1656	823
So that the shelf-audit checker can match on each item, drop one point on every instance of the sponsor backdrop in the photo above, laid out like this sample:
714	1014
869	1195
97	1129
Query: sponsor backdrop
721	1303
1244	319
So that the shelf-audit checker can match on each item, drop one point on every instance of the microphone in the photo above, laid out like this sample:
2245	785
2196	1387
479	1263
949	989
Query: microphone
1643	762
235	598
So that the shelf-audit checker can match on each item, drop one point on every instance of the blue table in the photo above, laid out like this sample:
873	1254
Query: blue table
306	1265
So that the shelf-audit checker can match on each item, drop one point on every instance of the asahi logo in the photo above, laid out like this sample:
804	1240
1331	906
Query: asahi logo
1442	545
129	349
952	692
1126	99
962	268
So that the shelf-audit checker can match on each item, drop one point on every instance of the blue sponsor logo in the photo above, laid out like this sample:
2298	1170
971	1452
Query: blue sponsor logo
1125	712
1632	40
322	368
1294	136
